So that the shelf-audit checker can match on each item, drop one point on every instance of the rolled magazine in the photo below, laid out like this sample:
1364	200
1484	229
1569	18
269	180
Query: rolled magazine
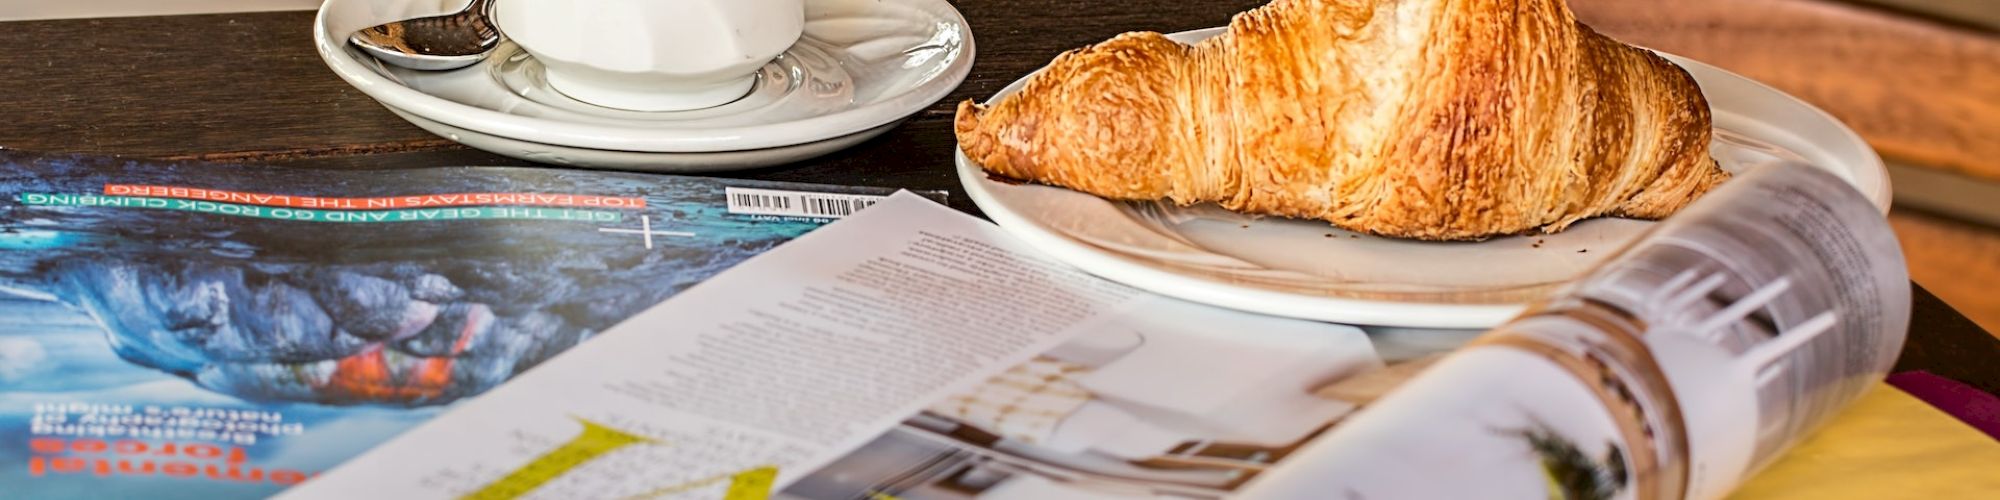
1675	370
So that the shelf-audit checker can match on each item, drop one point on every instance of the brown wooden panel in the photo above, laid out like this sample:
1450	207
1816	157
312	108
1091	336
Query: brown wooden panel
164	86
1920	91
1958	261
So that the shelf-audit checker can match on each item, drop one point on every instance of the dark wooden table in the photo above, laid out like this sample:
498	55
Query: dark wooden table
249	88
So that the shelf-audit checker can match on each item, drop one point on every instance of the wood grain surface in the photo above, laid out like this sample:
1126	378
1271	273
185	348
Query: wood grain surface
186	86
1919	91
1957	260
249	88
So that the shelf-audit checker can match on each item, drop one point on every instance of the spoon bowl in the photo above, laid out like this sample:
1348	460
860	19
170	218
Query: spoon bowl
436	43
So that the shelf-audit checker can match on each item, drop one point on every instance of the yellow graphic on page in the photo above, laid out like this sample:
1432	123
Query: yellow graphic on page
753	484
595	440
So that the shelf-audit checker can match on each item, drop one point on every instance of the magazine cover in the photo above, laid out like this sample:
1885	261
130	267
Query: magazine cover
188	330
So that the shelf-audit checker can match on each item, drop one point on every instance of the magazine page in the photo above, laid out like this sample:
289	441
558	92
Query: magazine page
185	330
821	352
1182	400
1675	370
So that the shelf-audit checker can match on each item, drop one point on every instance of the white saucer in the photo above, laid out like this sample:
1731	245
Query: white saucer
1308	269
695	162
861	67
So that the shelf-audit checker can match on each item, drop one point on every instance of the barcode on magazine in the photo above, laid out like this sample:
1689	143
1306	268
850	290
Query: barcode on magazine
753	201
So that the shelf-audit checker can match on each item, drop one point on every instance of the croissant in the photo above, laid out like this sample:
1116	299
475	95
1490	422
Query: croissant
1426	119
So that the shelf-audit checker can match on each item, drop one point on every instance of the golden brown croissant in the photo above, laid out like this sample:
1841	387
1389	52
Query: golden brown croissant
1431	119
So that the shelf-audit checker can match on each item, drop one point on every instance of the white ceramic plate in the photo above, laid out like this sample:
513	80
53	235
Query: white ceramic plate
862	65
1308	269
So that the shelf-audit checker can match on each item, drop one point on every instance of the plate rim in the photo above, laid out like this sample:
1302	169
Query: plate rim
1193	289
388	92
1373	312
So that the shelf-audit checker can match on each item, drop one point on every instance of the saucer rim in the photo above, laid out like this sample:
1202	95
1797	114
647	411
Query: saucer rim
662	162
391	93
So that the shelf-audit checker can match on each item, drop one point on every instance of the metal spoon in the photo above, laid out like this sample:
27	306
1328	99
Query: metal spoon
435	43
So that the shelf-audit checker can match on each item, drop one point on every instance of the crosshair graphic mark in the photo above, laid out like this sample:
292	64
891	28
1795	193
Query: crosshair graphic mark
645	229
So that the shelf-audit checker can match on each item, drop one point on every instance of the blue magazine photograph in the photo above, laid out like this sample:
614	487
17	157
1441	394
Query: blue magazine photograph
193	330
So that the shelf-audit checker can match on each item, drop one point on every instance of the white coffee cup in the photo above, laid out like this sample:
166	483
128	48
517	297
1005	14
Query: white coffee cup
652	55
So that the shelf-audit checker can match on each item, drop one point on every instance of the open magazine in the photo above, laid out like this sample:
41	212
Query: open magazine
915	352
186	330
